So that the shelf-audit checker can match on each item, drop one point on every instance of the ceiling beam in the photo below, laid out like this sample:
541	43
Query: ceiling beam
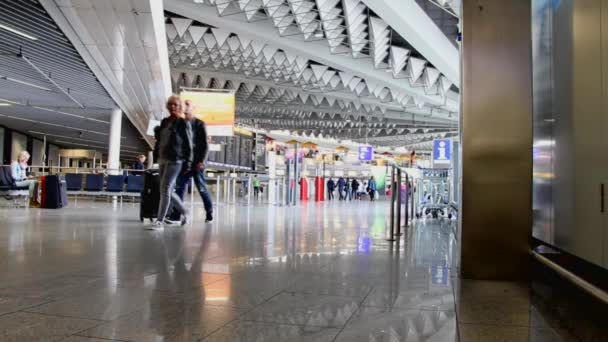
417	28
129	56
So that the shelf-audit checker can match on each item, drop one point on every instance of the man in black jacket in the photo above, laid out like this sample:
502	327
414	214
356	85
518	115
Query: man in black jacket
199	154
331	185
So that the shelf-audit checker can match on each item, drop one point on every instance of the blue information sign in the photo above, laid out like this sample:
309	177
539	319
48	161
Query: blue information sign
440	274
366	153
442	151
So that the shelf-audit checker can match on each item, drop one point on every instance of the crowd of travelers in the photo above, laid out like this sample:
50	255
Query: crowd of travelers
352	189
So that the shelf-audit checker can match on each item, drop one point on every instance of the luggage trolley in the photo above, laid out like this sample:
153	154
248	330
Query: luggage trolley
433	194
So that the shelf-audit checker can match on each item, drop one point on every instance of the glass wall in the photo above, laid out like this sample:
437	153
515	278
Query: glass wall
570	51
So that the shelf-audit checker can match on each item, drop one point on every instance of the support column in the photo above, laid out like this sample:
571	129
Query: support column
150	159
272	174
114	143
496	128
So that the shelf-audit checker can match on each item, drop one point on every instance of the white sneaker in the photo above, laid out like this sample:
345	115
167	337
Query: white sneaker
185	219
156	225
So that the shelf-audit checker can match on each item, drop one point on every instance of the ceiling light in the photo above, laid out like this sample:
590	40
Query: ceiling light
24	83
51	124
2	104
9	101
22	34
70	114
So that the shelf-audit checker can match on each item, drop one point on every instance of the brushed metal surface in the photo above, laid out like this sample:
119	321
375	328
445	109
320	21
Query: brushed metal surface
604	32
542	91
570	42
496	139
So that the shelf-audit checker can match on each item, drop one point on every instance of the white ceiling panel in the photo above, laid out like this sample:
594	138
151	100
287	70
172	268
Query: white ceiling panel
111	36
46	82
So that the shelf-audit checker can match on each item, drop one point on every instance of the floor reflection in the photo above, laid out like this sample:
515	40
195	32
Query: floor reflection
316	272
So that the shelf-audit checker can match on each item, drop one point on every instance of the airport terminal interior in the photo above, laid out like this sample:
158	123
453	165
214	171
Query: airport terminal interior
303	170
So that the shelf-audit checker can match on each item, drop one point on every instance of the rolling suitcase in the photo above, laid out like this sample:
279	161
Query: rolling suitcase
150	195
54	192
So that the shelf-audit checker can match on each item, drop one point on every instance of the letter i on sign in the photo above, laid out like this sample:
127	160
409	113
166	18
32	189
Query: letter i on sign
441	151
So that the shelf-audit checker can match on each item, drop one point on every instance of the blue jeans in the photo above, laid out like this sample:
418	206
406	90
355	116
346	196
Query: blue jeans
199	182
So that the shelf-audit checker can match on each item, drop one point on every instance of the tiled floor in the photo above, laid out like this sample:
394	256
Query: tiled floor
318	272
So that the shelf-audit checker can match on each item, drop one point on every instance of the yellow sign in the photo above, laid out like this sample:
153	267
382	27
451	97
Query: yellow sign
243	131
216	109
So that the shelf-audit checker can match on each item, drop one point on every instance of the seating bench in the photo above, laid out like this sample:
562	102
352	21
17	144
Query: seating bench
16	193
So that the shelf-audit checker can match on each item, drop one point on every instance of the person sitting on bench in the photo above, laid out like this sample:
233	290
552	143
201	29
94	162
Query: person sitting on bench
18	171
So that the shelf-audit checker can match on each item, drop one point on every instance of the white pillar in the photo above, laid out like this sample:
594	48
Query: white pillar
272	174
150	159
114	143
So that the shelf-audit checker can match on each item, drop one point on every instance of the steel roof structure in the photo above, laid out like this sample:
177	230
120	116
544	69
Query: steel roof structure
316	67
380	72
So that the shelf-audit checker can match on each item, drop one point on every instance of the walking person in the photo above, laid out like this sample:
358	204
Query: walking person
331	186
347	189
341	185
200	150
371	188
173	150
256	187
355	189
362	189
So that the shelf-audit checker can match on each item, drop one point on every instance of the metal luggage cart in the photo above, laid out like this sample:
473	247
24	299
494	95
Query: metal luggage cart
433	194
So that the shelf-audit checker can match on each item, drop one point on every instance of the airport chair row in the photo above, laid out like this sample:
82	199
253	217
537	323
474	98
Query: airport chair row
102	185
18	195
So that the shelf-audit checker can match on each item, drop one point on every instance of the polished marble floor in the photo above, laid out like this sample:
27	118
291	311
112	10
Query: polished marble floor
315	272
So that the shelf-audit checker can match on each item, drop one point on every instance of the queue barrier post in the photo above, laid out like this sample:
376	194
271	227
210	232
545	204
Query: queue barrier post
392	209
397	191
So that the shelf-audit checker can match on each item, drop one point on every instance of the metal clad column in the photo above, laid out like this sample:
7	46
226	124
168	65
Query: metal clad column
496	139
150	159
272	175
296	176
114	143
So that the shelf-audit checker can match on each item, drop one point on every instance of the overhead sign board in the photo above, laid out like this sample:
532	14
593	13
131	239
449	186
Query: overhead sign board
260	152
366	153
442	151
216	109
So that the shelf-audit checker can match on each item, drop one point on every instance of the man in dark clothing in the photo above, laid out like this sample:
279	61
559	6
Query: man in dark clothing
139	165
200	148
341	186
331	185
355	189
346	188
173	150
